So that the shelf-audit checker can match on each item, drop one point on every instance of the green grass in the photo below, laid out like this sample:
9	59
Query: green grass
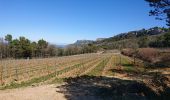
71	68
97	71
68	69
85	67
58	80
37	80
29	82
13	85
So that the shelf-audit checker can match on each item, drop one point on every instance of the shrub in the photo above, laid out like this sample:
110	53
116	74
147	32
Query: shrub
148	54
165	59
128	52
152	56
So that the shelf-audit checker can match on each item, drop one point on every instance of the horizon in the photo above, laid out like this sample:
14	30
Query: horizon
60	22
63	44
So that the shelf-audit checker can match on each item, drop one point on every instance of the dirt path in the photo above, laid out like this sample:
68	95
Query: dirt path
47	92
44	92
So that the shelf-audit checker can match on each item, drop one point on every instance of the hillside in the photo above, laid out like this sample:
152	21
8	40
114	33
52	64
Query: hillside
82	42
140	38
156	37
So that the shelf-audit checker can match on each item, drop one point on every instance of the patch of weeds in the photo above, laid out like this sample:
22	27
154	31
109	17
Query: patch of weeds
99	68
28	83
39	79
129	69
68	69
58	80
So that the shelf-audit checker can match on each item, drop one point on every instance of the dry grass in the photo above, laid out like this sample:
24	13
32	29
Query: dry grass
22	70
102	74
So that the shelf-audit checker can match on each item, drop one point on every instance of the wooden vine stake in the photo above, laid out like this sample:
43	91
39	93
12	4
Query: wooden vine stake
47	69
16	73
1	75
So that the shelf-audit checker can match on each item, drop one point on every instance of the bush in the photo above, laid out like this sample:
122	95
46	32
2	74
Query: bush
152	56
128	52
148	54
165	59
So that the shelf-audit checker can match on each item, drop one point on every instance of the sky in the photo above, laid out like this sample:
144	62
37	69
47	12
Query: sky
65	21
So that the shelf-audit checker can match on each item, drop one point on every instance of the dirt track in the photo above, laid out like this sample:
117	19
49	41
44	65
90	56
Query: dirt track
44	92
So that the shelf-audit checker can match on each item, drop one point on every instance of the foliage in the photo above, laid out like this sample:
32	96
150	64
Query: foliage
143	41
161	41
160	9
24	48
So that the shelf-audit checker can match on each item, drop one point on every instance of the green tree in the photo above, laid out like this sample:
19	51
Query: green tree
167	39
42	46
8	38
24	47
34	49
1	48
143	42
15	48
161	9
60	52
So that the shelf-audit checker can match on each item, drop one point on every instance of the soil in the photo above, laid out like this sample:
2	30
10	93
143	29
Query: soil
44	92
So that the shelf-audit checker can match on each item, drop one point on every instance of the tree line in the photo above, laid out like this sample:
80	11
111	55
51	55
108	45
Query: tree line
24	48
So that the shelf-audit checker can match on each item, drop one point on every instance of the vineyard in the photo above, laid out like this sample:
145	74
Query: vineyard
91	72
70	66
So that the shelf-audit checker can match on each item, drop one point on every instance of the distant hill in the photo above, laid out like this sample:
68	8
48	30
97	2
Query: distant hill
138	38
136	34
61	46
141	38
100	39
82	42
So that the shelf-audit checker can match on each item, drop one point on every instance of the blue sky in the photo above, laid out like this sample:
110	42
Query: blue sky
65	21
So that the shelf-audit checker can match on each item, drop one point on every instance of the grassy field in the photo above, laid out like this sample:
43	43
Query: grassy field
99	74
